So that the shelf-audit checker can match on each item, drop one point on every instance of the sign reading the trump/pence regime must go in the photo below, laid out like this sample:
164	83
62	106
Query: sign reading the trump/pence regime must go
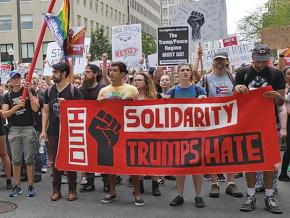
173	45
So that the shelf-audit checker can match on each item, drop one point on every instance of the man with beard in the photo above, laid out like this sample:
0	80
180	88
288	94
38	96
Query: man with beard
90	89
60	91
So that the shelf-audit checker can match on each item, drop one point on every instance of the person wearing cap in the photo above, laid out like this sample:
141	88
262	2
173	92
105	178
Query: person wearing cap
22	134
118	89
253	77
219	82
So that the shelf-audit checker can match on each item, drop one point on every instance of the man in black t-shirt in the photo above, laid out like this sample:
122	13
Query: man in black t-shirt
22	134
252	77
90	89
60	91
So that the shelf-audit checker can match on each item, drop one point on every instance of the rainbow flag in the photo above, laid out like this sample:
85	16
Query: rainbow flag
59	25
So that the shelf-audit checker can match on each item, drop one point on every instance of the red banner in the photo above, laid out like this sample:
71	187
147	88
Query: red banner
75	43
169	137
230	41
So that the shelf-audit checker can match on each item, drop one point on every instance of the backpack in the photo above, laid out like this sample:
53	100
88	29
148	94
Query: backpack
197	91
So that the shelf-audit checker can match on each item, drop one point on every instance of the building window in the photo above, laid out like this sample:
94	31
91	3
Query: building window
78	1
164	12
116	15
120	17
123	18
91	4
92	26
107	10
108	31
164	1
27	52
44	49
102	8
164	23
4	1
171	1
112	12
79	18
26	0
86	22
26	22
97	25
4	56
96	5
85	3
5	23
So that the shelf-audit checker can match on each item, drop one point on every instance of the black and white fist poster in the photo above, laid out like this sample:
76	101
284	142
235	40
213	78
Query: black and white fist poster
207	19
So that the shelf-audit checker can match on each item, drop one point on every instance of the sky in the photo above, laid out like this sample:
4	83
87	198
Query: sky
237	9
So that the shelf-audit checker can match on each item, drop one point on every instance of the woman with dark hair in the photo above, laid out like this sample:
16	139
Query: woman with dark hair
146	89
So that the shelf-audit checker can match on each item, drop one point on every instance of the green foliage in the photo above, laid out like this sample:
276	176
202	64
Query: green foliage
148	44
274	13
99	44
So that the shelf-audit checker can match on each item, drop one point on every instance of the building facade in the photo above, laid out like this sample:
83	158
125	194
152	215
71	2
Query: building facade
93	14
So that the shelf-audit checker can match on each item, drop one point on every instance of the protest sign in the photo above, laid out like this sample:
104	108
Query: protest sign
127	44
76	39
287	56
54	54
230	41
276	38
153	60
238	55
169	137
173	45
207	19
4	72
81	63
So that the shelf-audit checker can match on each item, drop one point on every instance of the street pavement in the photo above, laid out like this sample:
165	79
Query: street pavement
89	204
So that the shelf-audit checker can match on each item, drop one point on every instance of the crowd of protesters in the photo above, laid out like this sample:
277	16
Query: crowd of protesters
29	130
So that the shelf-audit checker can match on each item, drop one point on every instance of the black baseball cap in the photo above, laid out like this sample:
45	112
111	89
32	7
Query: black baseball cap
261	53
222	55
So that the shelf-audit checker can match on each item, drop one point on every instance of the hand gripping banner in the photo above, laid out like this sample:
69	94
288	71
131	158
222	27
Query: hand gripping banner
170	137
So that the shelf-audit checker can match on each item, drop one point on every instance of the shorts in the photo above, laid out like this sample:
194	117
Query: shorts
22	139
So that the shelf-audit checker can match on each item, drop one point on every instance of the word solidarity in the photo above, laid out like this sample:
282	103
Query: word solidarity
169	137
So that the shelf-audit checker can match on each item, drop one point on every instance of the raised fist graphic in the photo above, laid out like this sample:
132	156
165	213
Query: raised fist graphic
196	20
105	130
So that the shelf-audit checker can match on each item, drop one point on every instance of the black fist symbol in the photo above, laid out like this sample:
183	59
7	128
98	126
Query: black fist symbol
196	20
105	130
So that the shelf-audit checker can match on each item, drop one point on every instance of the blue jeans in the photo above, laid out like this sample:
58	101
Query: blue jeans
40	159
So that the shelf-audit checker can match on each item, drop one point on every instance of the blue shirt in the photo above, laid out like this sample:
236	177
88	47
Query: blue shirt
189	92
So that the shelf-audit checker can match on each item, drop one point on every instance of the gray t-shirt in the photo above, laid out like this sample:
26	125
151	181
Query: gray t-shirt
219	86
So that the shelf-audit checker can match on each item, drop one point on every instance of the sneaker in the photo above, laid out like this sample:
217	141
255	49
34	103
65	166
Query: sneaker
199	202
87	188
214	191
44	169
109	198
260	189
84	180
221	178
15	191
37	178
161	182
31	192
64	180
178	200
206	177
284	178
271	204
139	201
9	184
233	190
249	203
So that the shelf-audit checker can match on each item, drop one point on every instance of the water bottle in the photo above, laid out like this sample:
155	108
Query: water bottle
41	146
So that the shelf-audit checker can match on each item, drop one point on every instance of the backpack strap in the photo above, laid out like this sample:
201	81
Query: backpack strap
172	94
197	90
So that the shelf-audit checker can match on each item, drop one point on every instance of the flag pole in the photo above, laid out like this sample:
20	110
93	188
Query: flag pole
36	53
